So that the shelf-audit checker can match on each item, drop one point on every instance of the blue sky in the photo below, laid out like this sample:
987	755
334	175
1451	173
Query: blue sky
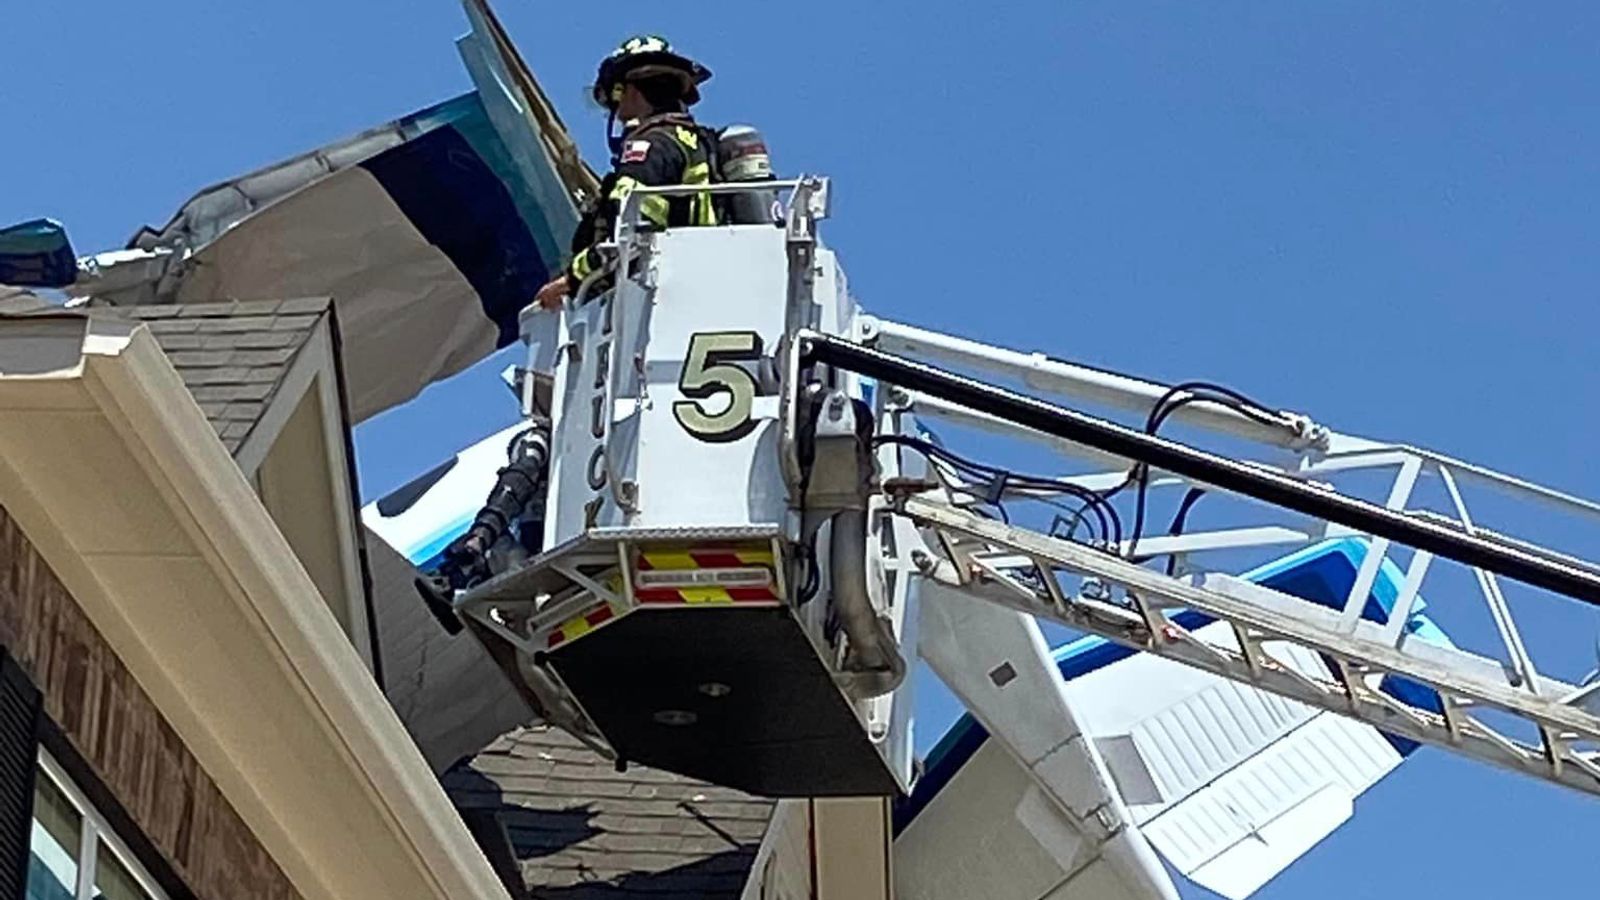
1384	214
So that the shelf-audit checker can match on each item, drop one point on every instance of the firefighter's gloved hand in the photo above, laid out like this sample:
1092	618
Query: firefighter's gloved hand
465	563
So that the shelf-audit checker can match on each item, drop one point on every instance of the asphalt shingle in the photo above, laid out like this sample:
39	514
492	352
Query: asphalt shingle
581	830
231	356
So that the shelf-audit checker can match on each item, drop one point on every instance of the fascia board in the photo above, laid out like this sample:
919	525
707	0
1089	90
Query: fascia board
336	792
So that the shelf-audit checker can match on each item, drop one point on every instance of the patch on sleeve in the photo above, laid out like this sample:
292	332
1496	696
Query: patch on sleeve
636	151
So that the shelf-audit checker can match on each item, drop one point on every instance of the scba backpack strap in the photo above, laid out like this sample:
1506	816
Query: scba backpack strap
711	139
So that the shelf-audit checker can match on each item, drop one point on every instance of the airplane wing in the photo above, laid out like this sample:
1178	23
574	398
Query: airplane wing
1034	815
430	233
451	696
1229	784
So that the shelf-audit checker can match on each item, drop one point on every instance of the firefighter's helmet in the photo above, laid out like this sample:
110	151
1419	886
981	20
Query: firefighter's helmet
646	56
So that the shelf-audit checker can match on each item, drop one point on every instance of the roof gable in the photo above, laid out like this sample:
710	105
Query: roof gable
233	357
268	378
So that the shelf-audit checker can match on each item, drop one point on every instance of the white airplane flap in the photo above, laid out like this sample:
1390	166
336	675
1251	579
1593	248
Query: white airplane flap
1190	744
1244	868
1238	832
1166	730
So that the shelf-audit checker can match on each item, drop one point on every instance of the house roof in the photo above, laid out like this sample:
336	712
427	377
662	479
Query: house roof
15	300
231	356
581	830
248	365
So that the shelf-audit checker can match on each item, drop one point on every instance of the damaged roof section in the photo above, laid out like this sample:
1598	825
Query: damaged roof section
580	830
16	301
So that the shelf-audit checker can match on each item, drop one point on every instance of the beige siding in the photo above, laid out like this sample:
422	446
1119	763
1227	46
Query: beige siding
826	849
296	483
784	872
852	837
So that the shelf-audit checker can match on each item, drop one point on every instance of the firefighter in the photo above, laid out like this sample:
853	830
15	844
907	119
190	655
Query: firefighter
649	87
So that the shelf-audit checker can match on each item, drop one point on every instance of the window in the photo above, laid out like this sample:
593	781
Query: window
74	855
55	844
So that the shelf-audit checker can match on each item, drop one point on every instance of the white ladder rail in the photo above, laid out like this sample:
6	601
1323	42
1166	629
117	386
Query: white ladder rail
1561	714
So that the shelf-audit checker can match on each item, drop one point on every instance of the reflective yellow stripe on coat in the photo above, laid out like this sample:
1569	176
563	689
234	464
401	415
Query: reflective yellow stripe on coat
653	206
701	210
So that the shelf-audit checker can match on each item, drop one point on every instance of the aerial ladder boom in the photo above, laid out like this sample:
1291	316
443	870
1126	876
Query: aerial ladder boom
1559	733
745	510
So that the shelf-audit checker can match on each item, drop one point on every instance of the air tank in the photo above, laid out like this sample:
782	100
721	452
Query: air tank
742	156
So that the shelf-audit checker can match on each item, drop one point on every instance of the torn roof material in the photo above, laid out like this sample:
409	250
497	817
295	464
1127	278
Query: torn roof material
15	301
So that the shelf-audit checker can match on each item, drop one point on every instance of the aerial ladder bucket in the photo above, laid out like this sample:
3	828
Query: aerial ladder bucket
732	555
702	603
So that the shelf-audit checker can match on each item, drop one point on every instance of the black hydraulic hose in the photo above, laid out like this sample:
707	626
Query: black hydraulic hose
1206	468
515	487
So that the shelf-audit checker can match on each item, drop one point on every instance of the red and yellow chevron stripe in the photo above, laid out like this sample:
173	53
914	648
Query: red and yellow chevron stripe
706	573
578	626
